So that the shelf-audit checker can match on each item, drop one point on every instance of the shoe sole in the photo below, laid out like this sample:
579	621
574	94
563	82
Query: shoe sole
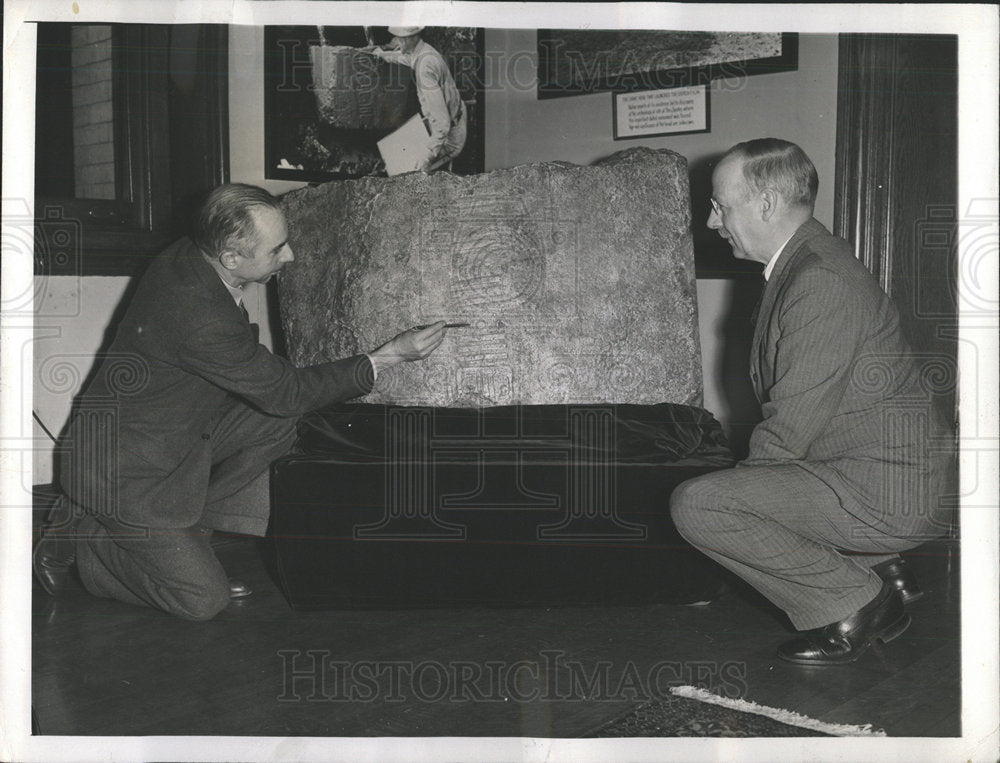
891	633
912	597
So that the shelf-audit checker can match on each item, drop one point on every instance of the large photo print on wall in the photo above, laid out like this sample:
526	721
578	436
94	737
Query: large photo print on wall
329	100
581	61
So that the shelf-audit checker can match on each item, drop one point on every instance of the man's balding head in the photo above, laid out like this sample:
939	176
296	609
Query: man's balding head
241	231
778	164
226	220
762	191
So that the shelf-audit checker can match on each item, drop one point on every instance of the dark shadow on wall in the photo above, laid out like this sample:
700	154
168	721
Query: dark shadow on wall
714	259
737	332
278	343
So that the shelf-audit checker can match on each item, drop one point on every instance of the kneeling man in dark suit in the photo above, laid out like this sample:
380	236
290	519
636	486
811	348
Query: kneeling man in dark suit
174	436
850	455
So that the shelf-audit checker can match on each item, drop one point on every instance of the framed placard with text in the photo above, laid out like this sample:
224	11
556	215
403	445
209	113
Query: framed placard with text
675	111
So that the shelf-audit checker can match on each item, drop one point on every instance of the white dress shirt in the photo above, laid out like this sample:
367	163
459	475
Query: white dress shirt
774	259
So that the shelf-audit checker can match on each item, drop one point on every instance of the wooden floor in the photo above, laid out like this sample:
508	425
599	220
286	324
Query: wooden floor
105	668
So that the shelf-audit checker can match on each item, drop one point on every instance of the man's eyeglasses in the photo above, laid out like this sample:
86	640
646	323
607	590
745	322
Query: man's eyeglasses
716	206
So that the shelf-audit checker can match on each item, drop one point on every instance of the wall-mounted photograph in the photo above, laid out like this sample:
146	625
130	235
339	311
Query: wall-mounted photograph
581	61
332	93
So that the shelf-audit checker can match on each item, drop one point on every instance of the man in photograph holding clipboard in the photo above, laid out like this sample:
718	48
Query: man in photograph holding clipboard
444	114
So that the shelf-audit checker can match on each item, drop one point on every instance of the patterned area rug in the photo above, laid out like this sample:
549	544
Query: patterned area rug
694	712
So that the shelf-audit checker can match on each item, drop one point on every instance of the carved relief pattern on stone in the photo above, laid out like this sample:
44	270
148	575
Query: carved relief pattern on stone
578	282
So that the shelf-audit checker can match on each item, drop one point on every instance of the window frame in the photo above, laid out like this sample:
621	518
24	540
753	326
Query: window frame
171	146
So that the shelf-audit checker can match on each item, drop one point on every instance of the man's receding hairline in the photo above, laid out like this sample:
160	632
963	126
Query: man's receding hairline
254	214
731	158
227	219
753	184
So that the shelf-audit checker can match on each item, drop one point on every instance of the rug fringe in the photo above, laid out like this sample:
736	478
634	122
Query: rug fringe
778	714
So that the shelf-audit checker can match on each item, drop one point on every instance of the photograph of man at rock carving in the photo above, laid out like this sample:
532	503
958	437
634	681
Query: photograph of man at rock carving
441	106
341	100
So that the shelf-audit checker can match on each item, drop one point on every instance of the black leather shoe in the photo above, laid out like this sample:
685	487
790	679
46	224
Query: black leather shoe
52	562
882	619
898	573
54	554
238	589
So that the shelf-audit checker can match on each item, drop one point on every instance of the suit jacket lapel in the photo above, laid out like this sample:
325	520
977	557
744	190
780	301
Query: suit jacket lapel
772	287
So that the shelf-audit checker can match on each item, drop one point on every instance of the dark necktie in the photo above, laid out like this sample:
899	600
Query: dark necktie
253	326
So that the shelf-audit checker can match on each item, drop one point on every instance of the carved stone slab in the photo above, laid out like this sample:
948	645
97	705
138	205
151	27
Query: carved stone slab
579	282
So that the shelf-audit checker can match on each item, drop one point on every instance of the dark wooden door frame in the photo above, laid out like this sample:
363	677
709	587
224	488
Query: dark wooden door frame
874	104
862	198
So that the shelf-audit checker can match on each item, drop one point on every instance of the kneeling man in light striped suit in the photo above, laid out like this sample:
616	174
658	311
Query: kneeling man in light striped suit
850	455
